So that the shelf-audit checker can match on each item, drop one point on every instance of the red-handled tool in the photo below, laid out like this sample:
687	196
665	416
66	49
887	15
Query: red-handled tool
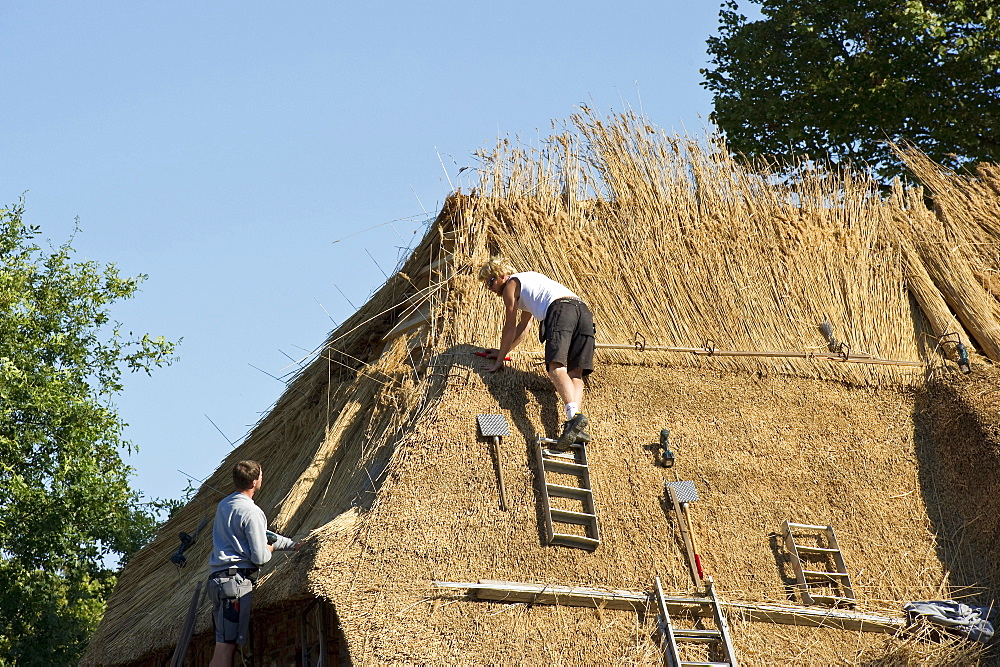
487	355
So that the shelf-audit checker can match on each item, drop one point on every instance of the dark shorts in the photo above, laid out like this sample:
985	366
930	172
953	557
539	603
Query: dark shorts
231	597
569	335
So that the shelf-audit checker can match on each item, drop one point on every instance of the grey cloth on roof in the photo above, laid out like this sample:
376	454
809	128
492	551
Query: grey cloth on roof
970	622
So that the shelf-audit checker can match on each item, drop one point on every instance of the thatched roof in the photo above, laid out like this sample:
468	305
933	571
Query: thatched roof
372	451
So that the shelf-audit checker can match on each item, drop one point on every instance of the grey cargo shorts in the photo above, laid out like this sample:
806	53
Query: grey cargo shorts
231	594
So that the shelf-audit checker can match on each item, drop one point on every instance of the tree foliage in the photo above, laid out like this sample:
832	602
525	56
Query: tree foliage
838	78
66	508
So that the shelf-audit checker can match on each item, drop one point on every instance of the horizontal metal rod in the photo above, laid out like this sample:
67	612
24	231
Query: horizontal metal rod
710	352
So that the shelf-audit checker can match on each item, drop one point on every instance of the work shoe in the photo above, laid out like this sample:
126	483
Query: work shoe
572	431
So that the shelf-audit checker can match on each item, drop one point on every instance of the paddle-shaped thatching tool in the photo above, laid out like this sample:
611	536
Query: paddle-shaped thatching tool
495	426
682	494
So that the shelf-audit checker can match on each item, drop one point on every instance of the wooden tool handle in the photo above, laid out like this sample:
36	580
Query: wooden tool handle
500	483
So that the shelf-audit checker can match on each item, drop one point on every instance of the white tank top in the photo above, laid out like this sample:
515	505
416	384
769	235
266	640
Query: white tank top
538	293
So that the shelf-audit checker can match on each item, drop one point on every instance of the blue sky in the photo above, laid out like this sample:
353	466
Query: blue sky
223	148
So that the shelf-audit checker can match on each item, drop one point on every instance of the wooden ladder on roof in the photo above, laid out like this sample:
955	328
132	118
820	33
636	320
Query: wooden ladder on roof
672	636
572	463
806	559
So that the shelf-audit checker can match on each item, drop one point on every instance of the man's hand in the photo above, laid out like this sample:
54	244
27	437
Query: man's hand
497	365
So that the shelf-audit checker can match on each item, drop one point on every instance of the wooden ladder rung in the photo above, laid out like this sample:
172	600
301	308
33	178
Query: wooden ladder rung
553	455
564	467
698	635
806	526
552	441
575	492
567	516
578	541
815	550
824	575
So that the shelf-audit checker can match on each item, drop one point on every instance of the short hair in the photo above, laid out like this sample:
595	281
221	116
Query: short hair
496	267
245	473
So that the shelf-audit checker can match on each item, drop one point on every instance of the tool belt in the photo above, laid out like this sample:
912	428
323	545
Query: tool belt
230	586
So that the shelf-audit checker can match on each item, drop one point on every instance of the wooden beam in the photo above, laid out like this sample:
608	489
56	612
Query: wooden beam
582	596
572	596
817	617
177	657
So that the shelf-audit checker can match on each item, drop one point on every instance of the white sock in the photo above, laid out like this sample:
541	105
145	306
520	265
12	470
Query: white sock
571	410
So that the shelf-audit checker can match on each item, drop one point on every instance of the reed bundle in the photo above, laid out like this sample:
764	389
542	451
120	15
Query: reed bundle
371	452
959	243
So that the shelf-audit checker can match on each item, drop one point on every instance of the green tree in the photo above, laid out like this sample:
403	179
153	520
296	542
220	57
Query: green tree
838	78
66	508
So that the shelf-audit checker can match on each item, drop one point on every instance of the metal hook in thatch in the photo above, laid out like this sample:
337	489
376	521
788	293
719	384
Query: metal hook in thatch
709	347
960	349
640	342
826	329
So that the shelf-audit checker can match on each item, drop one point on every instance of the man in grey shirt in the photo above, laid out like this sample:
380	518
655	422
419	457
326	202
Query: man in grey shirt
241	543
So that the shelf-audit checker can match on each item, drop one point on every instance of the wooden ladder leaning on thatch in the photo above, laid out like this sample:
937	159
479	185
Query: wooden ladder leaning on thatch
809	581
572	463
671	635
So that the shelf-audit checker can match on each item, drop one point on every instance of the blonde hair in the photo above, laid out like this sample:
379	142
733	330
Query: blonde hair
496	267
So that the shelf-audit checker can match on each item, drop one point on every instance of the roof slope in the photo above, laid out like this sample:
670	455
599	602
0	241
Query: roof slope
759	449
371	451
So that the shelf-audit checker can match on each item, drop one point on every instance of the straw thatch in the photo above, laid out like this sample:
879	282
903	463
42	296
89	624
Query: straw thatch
372	451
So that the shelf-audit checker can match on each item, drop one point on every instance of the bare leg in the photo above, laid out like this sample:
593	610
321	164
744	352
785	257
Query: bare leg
576	375
562	381
568	384
223	656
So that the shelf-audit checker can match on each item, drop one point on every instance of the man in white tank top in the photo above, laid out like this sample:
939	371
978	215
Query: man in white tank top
566	327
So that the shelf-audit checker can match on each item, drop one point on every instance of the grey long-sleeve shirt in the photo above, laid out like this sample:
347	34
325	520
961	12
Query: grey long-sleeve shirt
239	535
